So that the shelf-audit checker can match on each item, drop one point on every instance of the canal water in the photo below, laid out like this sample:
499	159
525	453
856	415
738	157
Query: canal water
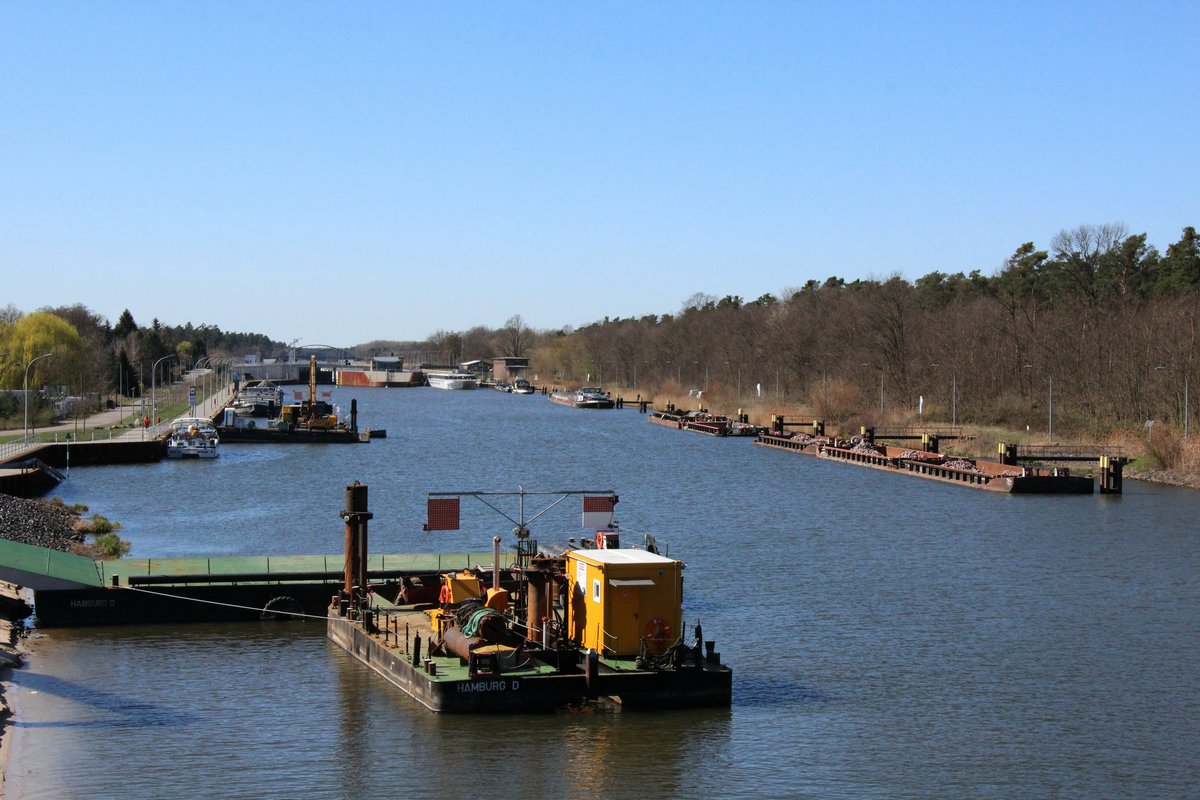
890	637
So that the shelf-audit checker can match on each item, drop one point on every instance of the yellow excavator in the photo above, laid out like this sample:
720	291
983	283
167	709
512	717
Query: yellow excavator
312	413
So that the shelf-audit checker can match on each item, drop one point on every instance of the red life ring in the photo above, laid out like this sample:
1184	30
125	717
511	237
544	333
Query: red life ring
444	595
658	633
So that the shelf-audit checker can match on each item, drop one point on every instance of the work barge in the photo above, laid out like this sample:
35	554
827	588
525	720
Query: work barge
1007	475
594	624
310	421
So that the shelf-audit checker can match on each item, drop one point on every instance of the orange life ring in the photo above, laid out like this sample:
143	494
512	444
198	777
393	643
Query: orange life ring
444	595
658	633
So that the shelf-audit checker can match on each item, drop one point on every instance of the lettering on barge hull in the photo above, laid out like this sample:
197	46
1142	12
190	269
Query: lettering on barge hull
490	686
94	603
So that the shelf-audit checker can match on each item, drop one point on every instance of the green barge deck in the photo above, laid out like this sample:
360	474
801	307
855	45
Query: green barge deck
72	590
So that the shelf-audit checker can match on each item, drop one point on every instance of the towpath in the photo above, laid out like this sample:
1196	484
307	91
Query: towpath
109	424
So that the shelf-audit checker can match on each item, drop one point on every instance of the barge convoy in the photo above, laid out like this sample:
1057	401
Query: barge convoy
1006	475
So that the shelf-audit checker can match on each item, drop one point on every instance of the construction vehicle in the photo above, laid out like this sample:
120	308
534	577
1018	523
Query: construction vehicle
310	414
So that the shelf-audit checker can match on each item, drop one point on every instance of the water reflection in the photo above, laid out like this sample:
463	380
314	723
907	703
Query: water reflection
889	637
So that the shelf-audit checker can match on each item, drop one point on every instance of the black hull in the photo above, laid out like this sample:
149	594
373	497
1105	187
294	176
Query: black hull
295	435
709	685
61	608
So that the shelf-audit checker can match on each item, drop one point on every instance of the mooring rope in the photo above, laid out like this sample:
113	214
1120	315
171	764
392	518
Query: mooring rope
299	614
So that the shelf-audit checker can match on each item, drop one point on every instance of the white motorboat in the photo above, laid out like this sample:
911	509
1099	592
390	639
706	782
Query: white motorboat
192	437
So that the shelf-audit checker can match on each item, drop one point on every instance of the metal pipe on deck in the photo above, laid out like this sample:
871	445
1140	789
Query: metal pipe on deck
496	562
356	516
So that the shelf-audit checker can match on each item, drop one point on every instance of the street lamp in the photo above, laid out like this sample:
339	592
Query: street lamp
1186	410
1049	407
25	433
953	395
154	387
880	391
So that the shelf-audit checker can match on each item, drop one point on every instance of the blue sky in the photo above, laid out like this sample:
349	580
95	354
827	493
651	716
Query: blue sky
340	172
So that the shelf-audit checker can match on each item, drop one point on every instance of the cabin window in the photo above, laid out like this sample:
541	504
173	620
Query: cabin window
596	590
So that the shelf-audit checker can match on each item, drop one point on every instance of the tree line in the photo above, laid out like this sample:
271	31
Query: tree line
95	358
1100	325
1099	330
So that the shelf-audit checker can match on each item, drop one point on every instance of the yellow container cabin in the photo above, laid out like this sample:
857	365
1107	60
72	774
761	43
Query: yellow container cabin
620	598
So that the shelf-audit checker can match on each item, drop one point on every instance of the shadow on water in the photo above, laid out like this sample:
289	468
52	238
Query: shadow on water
759	690
119	711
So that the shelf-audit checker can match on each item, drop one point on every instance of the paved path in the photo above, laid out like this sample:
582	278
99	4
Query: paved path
102	426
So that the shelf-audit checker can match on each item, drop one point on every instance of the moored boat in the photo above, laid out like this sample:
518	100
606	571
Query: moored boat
261	399
585	397
701	421
592	623
192	437
451	379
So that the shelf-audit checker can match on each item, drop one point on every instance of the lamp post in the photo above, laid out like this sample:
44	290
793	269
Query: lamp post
953	395
880	390
154	388
1049	408
207	363
1186	409
25	434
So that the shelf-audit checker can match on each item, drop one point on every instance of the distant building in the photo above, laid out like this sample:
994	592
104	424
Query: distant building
506	369
395	363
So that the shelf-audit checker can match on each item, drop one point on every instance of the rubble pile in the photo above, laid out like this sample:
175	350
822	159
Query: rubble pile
39	523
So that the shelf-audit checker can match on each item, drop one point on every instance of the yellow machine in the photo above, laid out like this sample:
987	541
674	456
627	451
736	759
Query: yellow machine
618	598
312	413
459	586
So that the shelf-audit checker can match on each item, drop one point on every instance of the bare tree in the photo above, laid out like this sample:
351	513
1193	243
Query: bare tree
515	338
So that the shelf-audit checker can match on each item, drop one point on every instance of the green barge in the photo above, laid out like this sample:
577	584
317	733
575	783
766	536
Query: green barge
71	590
598	623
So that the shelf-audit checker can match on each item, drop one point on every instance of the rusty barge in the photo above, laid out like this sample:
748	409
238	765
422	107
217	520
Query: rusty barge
1006	475
702	421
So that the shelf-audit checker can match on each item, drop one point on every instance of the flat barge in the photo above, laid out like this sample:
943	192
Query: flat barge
597	624
70	590
701	421
292	435
974	473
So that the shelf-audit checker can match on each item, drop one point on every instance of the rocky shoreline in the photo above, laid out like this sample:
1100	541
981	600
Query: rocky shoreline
1167	478
40	523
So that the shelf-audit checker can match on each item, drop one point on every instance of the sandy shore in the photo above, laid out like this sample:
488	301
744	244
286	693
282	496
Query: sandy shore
12	654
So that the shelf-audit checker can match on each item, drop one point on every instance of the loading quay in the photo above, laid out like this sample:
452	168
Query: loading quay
1013	473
